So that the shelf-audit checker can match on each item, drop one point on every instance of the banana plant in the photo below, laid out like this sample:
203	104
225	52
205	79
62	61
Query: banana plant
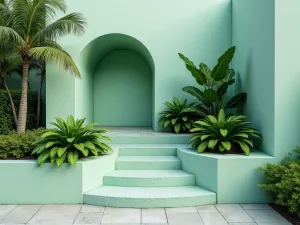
213	84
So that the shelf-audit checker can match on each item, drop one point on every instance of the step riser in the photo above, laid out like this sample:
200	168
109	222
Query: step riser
121	165
149	182
147	151
150	202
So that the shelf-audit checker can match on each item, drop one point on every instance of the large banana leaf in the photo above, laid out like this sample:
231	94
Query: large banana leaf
236	101
220	70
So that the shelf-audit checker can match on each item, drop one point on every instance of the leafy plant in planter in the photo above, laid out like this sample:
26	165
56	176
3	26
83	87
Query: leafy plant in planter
214	84
176	116
223	134
69	141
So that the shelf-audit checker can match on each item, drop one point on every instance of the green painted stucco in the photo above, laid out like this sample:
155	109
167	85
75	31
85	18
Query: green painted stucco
123	90
255	63
200	30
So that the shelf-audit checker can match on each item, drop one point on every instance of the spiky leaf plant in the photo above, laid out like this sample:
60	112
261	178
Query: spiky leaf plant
177	115
222	133
69	141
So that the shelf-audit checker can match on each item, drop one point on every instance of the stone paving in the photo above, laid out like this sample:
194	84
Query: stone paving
223	214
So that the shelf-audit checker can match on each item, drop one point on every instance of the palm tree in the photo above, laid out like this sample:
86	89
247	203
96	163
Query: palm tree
31	33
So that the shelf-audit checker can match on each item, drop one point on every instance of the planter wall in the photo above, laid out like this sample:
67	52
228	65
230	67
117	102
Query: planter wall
22	182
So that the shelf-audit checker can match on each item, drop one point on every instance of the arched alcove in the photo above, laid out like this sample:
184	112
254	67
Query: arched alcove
120	70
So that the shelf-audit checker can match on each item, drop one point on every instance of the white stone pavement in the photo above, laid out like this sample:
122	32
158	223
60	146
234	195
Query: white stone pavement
223	214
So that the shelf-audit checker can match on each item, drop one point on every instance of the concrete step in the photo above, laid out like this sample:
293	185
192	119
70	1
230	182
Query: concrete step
149	197
149	178
148	163
147	151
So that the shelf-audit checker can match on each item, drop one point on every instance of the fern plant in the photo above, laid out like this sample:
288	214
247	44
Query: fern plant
177	115
69	141
223	133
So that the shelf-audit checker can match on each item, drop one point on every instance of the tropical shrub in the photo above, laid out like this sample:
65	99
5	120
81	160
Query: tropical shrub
214	84
223	134
282	182
7	123
69	141
15	145
177	116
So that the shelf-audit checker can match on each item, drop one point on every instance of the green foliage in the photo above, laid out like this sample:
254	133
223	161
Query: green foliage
282	182
6	119
222	133
214	84
69	141
177	115
18	145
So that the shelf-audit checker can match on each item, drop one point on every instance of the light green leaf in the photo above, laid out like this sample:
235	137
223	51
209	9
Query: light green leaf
212	119
174	121
72	157
89	145
226	145
202	123
223	132
184	118
203	137
61	151
53	152
221	116
177	128
42	158
221	148
166	123
49	144
49	133
212	143
201	148
71	121
70	140
244	147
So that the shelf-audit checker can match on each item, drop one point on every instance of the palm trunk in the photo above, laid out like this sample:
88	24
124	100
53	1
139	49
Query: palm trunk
23	104
38	113
13	108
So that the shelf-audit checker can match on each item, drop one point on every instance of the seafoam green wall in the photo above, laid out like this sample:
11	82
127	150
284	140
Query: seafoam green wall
201	29
123	90
253	29
287	76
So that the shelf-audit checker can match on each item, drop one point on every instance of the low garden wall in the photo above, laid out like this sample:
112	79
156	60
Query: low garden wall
22	182
234	178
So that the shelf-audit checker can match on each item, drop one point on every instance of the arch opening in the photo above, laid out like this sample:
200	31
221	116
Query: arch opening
120	74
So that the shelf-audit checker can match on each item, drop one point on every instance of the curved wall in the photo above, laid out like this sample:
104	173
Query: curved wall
123	90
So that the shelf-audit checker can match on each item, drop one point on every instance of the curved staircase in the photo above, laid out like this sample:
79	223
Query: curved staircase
147	178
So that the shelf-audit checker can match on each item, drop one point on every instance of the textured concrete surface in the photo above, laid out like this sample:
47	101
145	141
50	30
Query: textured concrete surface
234	214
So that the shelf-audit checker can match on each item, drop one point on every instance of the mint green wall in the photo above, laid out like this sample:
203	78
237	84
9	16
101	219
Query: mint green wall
253	27
287	76
123	90
200	29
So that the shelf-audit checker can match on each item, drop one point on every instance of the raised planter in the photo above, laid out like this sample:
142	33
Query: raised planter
22	182
233	177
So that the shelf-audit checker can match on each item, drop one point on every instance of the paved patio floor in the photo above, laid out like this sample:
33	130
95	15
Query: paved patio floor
232	214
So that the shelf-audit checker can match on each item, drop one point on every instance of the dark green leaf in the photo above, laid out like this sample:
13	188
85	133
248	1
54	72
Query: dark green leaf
236	101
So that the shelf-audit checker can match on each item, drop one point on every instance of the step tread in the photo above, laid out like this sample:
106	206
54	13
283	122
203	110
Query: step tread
148	159
149	192
145	174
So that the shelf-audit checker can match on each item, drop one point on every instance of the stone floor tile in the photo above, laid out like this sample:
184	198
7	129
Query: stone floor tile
256	206
266	216
91	208
154	216
207	208
283	223
184	209
121	215
242	223
5	209
182	218
234	213
154	224
21	214
212	218
55	214
88	218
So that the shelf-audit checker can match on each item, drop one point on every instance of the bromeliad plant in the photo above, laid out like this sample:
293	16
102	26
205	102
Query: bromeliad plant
69	141
214	84
223	133
177	115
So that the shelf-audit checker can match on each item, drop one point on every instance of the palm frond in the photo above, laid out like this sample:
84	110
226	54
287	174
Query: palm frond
57	56
9	36
73	23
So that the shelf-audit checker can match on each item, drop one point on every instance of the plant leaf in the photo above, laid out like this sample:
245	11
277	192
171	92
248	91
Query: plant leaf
70	140
219	72
184	118
226	145
201	148
236	101
177	128
210	96
244	147
212	143
72	157
223	132
194	92
221	116
53	152
174	121
61	151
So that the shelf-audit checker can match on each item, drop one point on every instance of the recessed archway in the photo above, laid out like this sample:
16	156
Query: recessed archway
121	73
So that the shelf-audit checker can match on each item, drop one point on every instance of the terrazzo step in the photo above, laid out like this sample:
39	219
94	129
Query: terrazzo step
149	178
148	162
149	197
147	151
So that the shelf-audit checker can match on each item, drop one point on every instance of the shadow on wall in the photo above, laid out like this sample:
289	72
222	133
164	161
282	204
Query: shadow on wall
118	81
